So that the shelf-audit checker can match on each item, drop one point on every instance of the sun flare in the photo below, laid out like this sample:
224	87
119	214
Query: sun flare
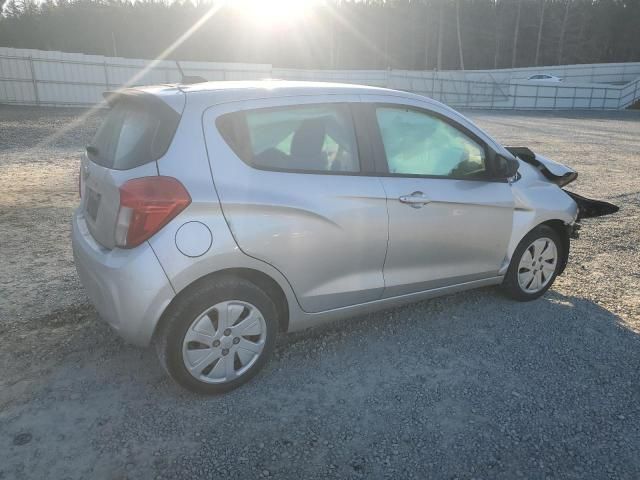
273	13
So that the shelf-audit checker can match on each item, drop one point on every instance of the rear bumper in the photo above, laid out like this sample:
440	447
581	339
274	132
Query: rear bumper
128	287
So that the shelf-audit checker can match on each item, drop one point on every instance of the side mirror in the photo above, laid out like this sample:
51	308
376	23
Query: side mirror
506	167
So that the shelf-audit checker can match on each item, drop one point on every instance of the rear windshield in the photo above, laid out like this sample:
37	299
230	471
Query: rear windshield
133	133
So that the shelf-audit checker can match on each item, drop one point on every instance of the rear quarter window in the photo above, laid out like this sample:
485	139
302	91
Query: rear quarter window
133	133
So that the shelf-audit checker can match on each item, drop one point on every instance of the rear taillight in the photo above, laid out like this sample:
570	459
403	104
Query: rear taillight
146	205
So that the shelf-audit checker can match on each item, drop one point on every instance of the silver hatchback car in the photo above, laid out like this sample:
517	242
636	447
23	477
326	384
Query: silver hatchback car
214	216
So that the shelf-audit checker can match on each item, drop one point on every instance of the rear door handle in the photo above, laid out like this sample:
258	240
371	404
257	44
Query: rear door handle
416	199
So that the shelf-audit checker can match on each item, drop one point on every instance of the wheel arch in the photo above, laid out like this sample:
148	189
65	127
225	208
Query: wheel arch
560	228
261	279
563	231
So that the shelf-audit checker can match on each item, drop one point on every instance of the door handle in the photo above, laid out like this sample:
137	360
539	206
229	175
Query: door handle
416	199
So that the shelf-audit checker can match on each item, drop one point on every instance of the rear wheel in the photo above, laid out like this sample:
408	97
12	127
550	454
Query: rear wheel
534	265
218	335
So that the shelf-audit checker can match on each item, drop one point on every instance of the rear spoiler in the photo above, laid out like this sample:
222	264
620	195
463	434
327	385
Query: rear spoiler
138	96
561	176
151	103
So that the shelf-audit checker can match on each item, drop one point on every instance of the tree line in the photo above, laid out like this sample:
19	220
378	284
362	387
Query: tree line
340	34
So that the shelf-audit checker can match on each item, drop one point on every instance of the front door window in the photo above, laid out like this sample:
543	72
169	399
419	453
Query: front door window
417	143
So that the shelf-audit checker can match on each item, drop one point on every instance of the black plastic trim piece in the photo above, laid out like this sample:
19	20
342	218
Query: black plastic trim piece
365	149
589	208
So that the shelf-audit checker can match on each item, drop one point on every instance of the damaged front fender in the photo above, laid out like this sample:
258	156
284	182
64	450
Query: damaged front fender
555	172
562	175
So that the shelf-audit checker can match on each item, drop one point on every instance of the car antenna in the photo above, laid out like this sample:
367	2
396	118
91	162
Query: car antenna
188	79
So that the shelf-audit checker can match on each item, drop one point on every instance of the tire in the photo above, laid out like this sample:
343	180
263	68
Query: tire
516	282
223	330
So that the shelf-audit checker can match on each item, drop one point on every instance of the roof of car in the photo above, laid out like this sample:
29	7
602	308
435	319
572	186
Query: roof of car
238	90
274	85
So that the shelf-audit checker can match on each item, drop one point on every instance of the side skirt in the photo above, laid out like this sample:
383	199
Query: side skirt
306	320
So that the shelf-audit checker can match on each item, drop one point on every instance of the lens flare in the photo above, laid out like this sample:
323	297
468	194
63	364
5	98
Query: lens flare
274	13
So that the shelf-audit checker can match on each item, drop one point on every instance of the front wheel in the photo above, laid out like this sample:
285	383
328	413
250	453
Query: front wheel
218	335
534	265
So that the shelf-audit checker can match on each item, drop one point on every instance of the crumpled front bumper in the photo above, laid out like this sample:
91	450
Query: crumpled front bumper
589	208
562	175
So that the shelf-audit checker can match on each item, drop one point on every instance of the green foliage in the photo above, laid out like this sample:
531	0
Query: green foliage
338	34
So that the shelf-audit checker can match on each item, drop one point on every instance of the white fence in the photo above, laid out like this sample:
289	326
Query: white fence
36	77
515	92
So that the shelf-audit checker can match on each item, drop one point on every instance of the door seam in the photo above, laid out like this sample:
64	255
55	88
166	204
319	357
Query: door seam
386	252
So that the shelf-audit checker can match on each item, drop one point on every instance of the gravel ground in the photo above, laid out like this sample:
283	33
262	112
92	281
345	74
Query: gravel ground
465	386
